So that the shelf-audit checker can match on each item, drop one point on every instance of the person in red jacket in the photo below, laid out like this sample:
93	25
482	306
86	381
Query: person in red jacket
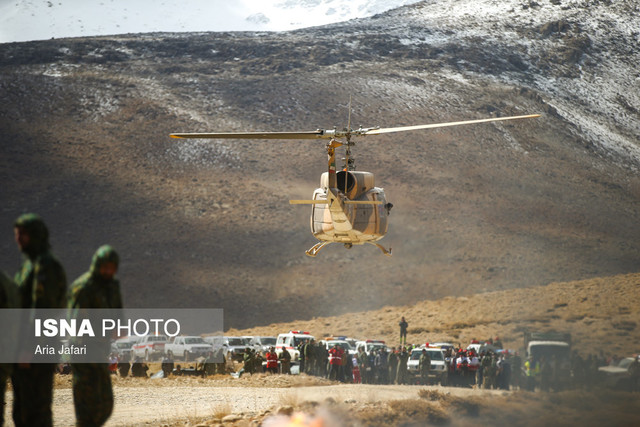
272	360
335	363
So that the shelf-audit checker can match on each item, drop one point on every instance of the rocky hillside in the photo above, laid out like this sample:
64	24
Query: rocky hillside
599	314
84	141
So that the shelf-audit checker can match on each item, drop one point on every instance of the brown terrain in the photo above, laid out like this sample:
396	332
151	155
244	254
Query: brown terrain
601	315
480	212
496	229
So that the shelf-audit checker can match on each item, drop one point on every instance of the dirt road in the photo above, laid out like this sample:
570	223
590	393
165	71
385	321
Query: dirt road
157	405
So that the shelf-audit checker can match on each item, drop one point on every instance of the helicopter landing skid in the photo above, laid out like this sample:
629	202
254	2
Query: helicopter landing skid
313	251
384	251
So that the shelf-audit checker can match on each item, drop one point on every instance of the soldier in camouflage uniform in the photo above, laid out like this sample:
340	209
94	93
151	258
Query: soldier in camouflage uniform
402	373
96	289
42	283
8	299
249	361
424	364
209	364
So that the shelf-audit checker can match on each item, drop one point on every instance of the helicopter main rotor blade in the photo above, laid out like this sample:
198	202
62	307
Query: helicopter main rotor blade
316	134
441	125
335	133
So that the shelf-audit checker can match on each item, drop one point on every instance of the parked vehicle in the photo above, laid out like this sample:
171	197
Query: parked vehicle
123	347
551	347
150	347
188	348
438	372
328	343
235	347
262	344
290	342
351	343
369	345
618	375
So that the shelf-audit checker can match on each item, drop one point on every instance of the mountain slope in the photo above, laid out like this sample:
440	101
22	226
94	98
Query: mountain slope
598	313
85	126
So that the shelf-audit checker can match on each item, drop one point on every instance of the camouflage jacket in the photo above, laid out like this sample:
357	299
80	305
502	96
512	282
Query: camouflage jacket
41	281
91	290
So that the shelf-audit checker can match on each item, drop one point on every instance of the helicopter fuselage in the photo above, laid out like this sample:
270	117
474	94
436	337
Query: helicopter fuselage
356	211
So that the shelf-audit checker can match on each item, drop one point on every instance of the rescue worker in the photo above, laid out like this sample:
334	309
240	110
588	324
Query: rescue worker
462	368
424	365
113	363
473	368
355	370
41	283
272	360
335	362
96	289
8	299
531	370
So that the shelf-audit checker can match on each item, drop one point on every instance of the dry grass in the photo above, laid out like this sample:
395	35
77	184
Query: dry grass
290	399
403	412
515	409
221	410
433	407
257	380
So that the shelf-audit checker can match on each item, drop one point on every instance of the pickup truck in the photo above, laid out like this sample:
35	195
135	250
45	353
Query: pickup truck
149	347
188	348
123	347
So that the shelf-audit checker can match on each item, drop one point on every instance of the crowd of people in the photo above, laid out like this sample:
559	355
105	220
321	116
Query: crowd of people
492	368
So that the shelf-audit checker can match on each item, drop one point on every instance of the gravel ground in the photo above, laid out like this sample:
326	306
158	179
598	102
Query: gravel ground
158	402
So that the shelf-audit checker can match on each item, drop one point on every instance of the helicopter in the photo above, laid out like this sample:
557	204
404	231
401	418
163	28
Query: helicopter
347	208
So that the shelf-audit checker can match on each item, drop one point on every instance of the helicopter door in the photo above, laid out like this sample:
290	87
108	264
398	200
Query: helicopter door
320	216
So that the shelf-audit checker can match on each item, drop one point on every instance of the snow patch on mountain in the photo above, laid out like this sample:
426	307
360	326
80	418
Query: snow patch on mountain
45	19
